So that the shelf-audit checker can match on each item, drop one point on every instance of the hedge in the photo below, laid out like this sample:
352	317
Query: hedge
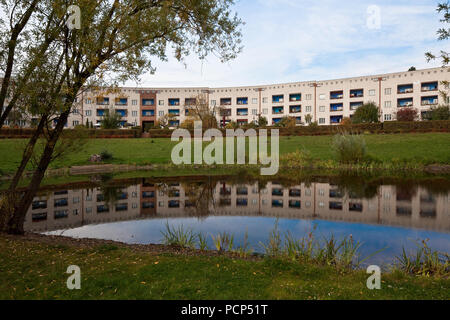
386	127
10	133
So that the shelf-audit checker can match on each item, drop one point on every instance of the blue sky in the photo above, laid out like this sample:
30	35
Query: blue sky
301	40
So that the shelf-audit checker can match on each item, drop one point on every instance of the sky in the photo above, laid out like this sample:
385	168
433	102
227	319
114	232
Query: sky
305	40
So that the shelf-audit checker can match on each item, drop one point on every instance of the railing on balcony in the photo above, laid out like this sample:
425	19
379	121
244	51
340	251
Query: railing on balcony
174	123
295	97
430	86
355	105
276	120
336	95
298	120
295	109
123	113
357	93
242	112
190	101
278	99
102	101
242	101
405	102
277	110
242	122
148	113
225	113
121	102
429	101
336	119
405	88
148	102
225	102
336	107
174	102
174	112
101	112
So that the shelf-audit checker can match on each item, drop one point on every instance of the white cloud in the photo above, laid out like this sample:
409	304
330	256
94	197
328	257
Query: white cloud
288	40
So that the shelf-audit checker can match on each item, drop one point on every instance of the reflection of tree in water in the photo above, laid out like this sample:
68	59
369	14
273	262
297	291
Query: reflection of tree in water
406	191
201	198
111	193
356	187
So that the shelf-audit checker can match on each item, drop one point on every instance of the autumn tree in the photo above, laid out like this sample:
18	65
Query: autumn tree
200	110
116	40
407	114
367	113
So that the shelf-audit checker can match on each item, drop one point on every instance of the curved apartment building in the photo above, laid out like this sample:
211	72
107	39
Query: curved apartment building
327	101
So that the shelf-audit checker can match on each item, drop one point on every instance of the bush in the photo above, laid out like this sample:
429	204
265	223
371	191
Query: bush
407	114
299	158
367	113
440	113
349	148
106	155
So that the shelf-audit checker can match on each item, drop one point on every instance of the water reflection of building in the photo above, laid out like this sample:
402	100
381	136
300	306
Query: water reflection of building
389	205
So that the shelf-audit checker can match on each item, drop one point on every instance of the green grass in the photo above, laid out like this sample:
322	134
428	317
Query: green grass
34	270
424	148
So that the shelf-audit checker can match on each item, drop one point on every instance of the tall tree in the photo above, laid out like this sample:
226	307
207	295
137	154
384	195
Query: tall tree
117	39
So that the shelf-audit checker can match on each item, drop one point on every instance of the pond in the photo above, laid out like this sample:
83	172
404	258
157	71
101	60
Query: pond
381	215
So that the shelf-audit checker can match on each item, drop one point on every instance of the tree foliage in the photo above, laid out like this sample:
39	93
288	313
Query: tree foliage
367	113
407	114
111	119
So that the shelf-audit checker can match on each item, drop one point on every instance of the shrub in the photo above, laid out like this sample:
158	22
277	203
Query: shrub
262	121
441	112
299	158
349	148
367	113
106	155
407	114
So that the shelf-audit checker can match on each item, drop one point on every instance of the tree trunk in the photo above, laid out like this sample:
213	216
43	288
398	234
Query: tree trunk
21	204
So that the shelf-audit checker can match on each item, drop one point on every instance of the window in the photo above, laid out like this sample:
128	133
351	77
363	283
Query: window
308	108
89	210
387	104
371	93
213	103
88	101
254	100
161	113
254	112
75	123
88	113
134	102
387	91
387	117
322	108
308	97
134	113
321	120
265	100
322	97
161	102
265	111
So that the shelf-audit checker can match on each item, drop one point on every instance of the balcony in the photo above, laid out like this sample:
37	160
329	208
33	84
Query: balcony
225	102
277	203
336	107
430	86
276	120
148	113
355	105
121	102
174	102
405	88
336	119
295	97
174	123
190	102
295	204
242	112
123	113
278	99
102	101
298	120
429	101
277	110
242	122
336	95
357	93
295	109
174	112
242	101
225	113
101	112
408	102
148	102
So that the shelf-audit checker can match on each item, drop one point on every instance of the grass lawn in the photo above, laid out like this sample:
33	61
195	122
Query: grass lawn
37	270
425	148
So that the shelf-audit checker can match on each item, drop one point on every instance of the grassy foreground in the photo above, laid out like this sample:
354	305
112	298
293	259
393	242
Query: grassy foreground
423	148
37	270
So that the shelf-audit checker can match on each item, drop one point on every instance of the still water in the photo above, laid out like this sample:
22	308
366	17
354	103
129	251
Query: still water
389	215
